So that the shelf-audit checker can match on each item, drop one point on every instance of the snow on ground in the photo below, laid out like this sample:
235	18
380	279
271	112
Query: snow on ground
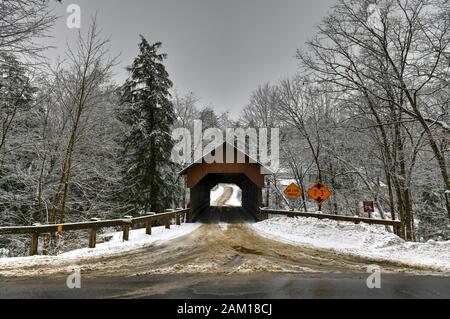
235	199
223	226
137	239
364	240
286	182
215	194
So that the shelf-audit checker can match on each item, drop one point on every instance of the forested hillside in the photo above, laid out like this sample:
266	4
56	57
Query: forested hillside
366	112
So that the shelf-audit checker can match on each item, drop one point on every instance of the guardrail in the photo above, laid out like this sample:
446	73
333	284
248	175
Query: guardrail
386	222
93	226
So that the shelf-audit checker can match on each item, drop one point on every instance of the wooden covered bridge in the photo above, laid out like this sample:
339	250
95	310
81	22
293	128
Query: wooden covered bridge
240	169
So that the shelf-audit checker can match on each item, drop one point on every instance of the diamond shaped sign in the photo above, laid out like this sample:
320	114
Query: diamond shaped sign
319	192
293	191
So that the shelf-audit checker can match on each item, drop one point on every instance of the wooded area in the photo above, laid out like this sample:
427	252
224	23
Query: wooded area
367	113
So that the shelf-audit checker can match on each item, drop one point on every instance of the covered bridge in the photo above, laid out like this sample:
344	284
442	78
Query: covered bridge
247	173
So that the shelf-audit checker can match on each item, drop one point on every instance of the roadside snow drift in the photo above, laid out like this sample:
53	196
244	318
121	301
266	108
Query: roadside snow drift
215	194
364	240
137	239
235	200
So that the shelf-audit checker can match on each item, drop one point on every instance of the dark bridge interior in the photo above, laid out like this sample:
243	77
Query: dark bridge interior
200	200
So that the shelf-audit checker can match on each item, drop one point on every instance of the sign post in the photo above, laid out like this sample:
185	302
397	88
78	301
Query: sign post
319	193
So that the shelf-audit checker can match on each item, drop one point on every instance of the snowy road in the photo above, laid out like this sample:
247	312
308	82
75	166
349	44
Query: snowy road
224	197
225	251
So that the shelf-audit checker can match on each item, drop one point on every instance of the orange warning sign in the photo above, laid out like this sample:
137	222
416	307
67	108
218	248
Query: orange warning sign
319	192
60	229
293	191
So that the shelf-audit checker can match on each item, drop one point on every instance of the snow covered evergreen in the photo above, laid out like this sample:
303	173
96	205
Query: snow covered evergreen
149	114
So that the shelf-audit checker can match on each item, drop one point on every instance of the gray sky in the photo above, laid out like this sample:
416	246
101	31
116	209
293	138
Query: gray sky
219	49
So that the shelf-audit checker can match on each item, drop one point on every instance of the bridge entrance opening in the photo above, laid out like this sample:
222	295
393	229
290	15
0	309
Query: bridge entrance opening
215	198
225	195
205	180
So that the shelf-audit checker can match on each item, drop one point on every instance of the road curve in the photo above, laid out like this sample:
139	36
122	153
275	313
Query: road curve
224	197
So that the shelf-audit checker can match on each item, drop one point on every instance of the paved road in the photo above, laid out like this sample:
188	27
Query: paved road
223	261
255	286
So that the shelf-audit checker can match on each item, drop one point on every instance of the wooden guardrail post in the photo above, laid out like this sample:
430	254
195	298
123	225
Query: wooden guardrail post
148	224
167	219
126	232
34	243
92	237
126	228
178	219
182	216
167	222
148	228
93	234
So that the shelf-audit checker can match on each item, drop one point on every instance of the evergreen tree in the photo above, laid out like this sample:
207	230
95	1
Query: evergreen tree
433	223
149	114
209	118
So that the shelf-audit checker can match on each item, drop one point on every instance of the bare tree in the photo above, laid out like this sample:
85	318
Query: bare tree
262	108
22	22
394	58
81	83
299	106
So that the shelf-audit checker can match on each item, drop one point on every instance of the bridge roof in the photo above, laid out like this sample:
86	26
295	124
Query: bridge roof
253	169
248	160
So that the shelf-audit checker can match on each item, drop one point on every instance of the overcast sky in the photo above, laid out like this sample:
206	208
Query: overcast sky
219	49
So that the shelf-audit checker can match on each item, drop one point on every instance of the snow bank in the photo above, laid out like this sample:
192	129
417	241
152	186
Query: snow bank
235	200
286	182
215	194
137	239
364	240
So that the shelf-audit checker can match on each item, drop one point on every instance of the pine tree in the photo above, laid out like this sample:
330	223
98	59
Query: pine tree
433	223
149	114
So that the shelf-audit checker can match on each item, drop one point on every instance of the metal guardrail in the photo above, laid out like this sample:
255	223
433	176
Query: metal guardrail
386	222
93	226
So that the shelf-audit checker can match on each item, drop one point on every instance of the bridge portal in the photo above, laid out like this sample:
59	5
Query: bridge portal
247	174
